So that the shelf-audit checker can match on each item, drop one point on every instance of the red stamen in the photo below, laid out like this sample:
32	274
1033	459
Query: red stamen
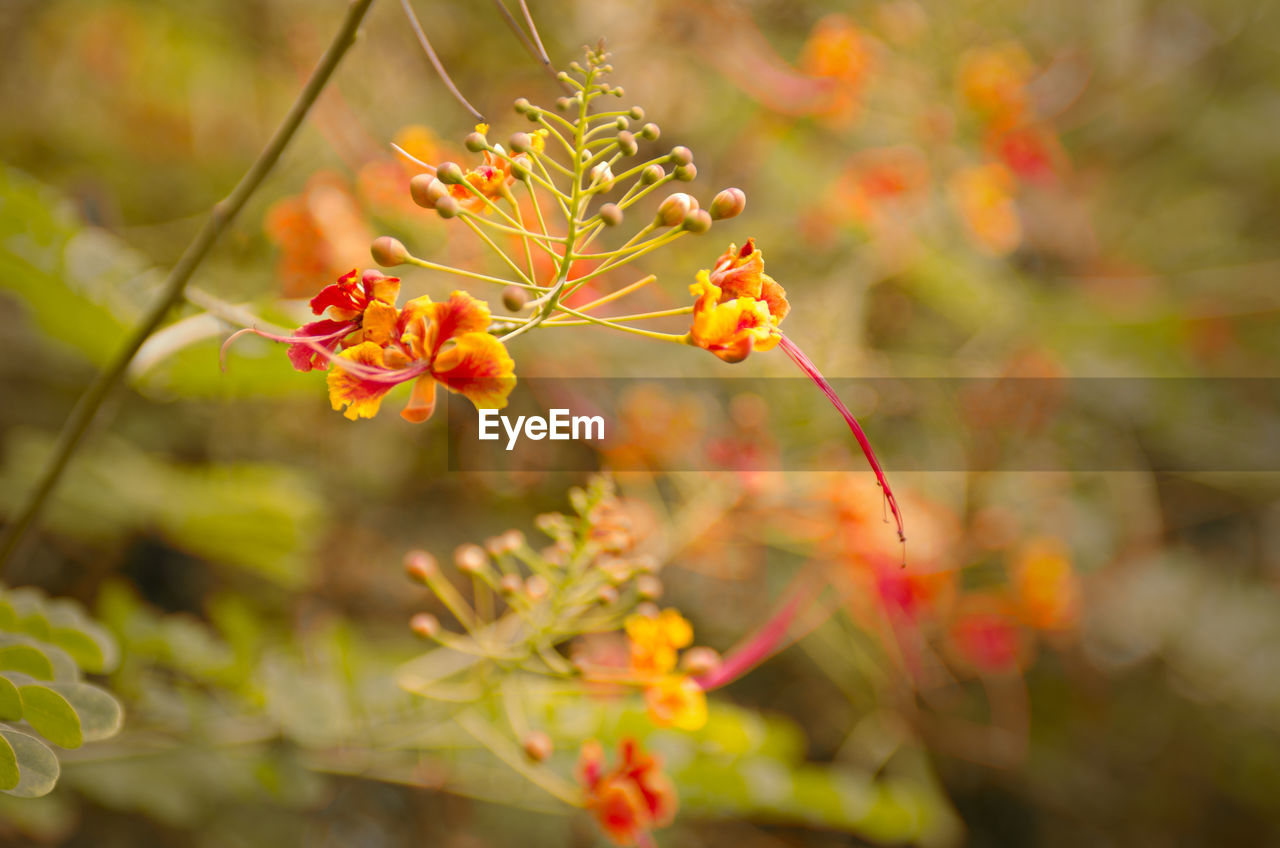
811	370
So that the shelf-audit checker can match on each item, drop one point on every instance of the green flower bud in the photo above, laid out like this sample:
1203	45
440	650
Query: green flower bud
514	298
426	190
622	123
519	170
425	625
447	207
520	142
611	214
675	209
652	174
563	103
681	155
522	105
470	559
636	113
420	566
697	222
537	746
686	173
618	91
389	252
475	142
627	143
450	173
650	131
648	587
728	204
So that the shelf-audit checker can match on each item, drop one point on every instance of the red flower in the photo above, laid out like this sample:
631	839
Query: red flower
630	800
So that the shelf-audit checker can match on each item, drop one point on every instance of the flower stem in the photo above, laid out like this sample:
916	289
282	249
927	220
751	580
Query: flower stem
220	216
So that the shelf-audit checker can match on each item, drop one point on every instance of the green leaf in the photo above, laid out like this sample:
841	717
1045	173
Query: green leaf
37	766
99	713
8	766
51	715
26	659
10	700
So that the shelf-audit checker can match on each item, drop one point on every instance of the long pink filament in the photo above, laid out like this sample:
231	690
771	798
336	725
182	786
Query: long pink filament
811	370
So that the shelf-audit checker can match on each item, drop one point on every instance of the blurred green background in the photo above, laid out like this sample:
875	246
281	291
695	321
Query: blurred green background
243	541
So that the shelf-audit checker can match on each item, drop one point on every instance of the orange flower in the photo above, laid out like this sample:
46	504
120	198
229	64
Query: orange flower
738	306
839	51
630	800
319	232
654	640
493	175
983	196
357	301
432	343
993	81
676	701
1045	587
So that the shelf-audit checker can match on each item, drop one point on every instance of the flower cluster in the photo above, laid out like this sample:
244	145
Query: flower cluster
654	641
738	306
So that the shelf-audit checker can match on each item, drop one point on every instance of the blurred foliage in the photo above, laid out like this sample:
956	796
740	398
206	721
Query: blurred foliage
1068	659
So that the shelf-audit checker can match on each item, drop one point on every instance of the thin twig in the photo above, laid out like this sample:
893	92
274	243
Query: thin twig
220	216
435	60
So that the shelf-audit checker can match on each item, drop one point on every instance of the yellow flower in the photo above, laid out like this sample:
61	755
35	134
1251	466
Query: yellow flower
677	701
655	640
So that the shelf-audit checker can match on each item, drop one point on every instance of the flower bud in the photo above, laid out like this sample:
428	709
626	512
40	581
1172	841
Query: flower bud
686	173
645	564
622	123
650	132
519	170
537	746
697	222
447	207
521	142
510	584
389	252
563	103
420	566
514	298
636	113
618	571
426	190
537	587
627	143
450	173
425	625
675	209
522	105
649	587
728	204
617	91
602	175
700	660
648	610
652	174
475	142
681	155
611	214
470	559
607	595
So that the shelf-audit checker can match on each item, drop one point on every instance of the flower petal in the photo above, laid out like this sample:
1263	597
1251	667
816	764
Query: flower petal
361	397
478	367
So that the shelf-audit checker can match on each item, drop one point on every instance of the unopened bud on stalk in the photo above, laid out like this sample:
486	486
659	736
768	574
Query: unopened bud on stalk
649	587
622	123
519	170
563	103
521	142
617	91
611	214
602	175
686	173
627	143
728	204
475	142
470	559
551	523
648	610
537	746
650	132
700	660
426	190
697	222
514	298
652	174
450	173
425	625
420	566
618	571
522	105
537	587
389	252
636	113
510	584
646	564
681	155
607	595
447	207
675	209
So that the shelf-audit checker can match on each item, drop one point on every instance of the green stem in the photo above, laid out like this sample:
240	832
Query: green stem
220	217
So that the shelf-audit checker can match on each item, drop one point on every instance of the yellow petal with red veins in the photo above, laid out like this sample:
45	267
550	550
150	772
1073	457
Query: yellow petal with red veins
478	367
361	397
379	323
